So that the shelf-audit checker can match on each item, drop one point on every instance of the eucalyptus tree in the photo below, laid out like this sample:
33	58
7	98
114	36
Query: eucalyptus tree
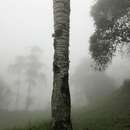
61	104
112	33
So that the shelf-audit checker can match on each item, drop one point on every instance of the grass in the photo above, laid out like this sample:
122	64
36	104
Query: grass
43	125
101	121
23	120
113	113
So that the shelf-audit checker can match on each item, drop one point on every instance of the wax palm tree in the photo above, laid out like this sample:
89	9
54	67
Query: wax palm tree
61	105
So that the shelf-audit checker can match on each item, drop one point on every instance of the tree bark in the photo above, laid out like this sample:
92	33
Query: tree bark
61	105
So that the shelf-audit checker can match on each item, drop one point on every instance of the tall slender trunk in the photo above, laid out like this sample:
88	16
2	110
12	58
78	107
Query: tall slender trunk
61	105
18	85
17	97
28	98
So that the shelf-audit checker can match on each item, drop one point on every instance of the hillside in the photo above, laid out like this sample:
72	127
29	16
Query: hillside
112	113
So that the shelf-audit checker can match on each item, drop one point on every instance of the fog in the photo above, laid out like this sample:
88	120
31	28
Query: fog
29	23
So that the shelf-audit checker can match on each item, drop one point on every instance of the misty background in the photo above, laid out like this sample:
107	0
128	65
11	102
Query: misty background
27	25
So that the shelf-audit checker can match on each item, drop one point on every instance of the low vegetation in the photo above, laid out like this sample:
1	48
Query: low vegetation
112	113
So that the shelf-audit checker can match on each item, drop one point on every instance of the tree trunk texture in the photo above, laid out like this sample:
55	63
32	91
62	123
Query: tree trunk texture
61	105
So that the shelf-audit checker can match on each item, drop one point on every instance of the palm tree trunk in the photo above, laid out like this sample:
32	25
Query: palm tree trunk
61	105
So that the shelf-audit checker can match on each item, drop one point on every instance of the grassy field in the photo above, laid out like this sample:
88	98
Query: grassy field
23	119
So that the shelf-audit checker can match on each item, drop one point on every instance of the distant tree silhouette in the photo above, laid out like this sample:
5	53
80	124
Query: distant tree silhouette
17	69
5	94
34	73
28	70
126	86
93	85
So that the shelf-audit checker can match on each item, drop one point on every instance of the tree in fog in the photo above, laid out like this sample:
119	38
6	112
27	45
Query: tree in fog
93	85
61	105
17	69
5	95
34	74
112	34
28	71
126	86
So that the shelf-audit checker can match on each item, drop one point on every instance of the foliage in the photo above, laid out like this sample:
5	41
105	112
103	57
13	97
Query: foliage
105	12
112	20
